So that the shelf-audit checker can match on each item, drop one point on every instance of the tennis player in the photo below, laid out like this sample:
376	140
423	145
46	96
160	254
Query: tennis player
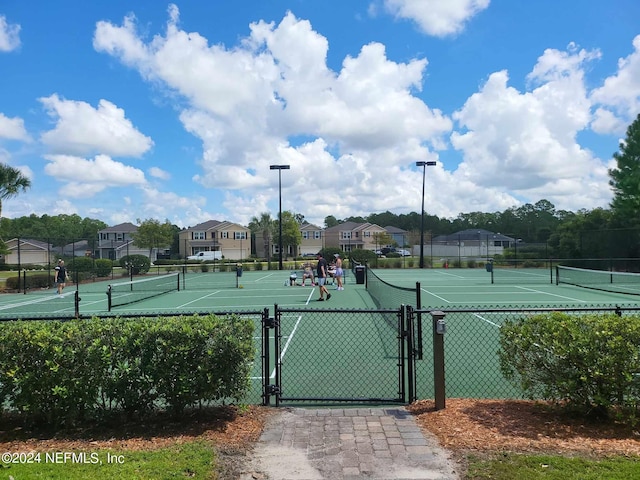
321	277
60	276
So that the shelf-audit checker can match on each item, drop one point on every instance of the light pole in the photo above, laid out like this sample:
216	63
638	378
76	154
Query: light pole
423	165
280	168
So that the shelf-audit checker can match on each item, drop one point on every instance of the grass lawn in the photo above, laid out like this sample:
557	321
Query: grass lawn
537	467
195	459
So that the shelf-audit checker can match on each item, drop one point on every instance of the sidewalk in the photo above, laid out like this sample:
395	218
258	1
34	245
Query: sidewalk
347	444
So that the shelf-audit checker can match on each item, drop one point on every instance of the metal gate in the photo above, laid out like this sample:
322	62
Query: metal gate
330	356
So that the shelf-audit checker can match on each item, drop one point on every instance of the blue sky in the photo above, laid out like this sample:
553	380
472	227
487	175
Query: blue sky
126	110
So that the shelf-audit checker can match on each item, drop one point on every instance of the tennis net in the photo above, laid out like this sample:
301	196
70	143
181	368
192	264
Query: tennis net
520	272
124	293
385	295
608	281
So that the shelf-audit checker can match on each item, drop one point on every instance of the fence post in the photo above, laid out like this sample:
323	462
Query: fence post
439	328
267	324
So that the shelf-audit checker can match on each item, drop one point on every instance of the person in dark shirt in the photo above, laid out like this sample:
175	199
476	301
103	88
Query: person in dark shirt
321	277
60	276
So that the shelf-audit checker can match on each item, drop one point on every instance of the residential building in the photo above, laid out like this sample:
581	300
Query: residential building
312	237
473	242
349	236
232	239
116	242
26	251
398	236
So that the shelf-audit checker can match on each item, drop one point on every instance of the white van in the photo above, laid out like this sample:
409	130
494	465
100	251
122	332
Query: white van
202	256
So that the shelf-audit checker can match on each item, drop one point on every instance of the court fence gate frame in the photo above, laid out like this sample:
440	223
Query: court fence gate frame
333	365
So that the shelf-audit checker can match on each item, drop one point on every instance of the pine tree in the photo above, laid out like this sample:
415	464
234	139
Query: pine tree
625	179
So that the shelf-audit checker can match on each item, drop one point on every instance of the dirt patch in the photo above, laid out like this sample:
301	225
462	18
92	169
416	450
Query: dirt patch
523	426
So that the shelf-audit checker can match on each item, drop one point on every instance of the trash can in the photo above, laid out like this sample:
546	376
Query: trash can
360	273
489	267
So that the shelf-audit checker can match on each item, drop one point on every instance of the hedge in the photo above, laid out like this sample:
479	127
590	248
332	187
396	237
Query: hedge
590	362
64	372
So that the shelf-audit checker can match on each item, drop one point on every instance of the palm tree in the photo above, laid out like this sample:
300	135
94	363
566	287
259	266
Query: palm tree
263	225
12	182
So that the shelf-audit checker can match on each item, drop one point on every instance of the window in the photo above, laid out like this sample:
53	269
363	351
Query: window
198	235
346	235
317	234
224	234
239	235
120	236
104	236
305	235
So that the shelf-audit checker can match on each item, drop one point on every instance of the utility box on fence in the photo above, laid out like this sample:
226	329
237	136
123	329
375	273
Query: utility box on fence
360	274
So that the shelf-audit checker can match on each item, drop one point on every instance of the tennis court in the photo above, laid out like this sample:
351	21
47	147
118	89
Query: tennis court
321	350
516	287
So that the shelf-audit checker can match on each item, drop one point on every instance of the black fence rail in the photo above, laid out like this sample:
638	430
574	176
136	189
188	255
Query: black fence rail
387	356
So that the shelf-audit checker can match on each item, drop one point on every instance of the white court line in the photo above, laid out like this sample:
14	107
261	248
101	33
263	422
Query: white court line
286	345
485	320
437	296
449	274
33	302
311	293
266	276
199	298
552	294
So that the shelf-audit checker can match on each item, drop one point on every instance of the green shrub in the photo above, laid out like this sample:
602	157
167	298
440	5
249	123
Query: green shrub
103	267
13	283
33	281
591	362
362	256
135	264
63	372
471	263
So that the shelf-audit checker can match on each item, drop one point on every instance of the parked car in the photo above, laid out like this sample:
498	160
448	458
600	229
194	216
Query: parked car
403	252
210	255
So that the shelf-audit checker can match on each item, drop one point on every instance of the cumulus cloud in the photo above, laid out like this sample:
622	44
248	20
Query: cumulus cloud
439	18
252	103
618	99
84	178
159	173
13	128
83	130
526	141
357	130
9	35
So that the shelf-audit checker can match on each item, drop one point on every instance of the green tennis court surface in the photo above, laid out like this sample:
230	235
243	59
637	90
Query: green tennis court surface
471	338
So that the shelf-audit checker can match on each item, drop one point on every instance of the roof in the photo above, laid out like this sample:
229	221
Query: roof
214	225
13	243
309	226
473	234
392	229
353	227
121	228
